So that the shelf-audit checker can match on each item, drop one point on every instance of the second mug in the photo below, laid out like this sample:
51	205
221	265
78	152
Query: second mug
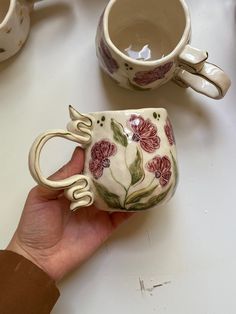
144	44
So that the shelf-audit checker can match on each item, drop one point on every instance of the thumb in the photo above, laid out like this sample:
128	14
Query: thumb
74	166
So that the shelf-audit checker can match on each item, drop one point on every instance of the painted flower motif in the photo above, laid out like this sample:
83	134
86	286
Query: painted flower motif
161	167
144	132
144	78
100	153
169	132
109	61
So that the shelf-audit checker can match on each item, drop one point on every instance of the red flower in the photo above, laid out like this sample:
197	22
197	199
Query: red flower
145	132
109	61
169	132
100	153
143	78
161	167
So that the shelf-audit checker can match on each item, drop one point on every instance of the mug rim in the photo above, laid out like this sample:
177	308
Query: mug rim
9	12
178	48
130	111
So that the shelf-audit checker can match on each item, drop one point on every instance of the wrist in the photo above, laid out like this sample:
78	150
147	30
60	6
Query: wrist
18	248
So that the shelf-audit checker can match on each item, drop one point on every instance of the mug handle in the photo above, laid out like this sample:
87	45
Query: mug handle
204	77
76	187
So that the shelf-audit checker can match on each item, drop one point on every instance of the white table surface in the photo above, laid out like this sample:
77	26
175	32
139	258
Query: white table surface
189	243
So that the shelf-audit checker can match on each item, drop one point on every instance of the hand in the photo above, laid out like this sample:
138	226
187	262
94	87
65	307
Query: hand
53	237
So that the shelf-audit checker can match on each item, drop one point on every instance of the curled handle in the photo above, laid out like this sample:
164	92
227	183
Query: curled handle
204	77
76	187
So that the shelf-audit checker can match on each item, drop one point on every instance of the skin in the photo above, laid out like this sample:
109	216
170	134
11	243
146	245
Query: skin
56	239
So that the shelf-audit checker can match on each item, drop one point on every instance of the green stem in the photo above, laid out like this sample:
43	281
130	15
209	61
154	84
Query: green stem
126	195
151	182
127	191
117	181
126	159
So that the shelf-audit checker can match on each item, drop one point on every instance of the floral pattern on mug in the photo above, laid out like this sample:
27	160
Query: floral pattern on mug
144	132
100	153
169	132
161	167
144	78
110	63
140	190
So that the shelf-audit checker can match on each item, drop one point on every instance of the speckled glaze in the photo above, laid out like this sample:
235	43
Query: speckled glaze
130	162
186	65
14	27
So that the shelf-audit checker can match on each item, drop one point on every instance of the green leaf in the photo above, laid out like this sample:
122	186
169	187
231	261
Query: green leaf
119	133
136	168
138	195
175	169
153	201
111	199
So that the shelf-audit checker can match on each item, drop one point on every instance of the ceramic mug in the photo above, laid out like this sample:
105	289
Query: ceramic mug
14	26
130	159
144	44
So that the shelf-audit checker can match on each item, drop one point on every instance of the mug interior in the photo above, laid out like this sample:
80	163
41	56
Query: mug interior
4	8
146	30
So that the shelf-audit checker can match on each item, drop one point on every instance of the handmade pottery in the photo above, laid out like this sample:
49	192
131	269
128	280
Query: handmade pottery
14	26
144	44
130	162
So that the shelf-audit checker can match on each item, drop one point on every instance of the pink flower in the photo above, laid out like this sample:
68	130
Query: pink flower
161	167
109	61
144	78
145	132
169	132
100	153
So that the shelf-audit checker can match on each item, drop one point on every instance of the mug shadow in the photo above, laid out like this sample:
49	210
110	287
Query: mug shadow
7	63
41	13
93	6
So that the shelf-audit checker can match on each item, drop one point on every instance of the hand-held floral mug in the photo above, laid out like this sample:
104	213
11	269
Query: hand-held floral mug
130	159
144	44
14	26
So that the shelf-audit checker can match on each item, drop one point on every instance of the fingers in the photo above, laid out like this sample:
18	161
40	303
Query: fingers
118	218
74	166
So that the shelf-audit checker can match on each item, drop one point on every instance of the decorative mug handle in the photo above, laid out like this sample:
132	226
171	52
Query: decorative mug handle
202	76
76	188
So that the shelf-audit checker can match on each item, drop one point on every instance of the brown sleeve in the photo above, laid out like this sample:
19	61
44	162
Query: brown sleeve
24	288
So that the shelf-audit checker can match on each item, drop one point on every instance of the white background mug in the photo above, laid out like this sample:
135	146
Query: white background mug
130	161
144	44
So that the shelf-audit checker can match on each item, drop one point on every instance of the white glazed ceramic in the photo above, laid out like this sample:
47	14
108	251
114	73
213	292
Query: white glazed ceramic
184	64
130	162
14	26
